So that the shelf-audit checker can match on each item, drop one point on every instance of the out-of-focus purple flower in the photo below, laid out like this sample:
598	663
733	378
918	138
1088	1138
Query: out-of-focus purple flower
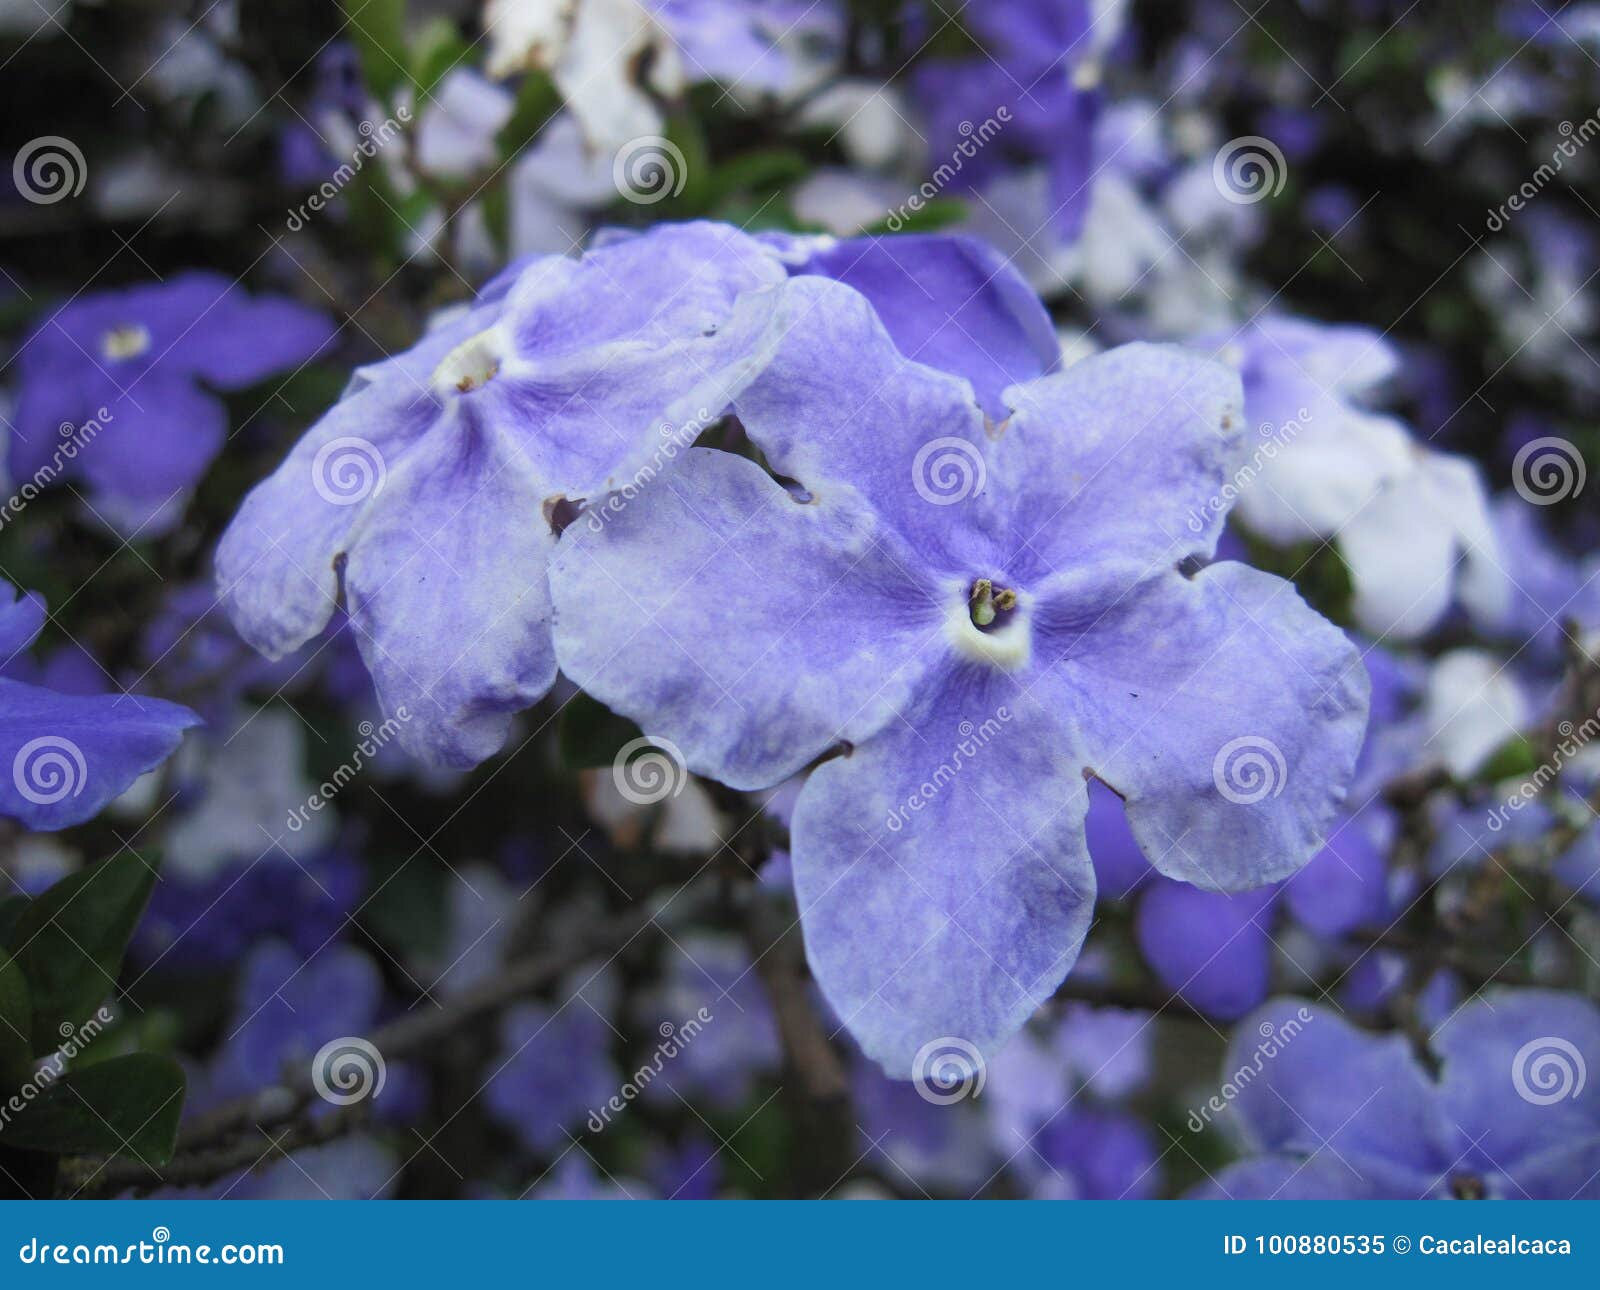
64	756
118	388
1038	77
1549	588
744	43
555	1069
288	1007
935	589
196	924
576	1177
1340	1113
692	1171
715	1060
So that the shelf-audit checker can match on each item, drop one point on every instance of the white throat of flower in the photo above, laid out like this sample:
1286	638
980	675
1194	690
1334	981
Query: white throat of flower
1005	643
472	364
129	340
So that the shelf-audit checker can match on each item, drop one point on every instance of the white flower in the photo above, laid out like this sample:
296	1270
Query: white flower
604	56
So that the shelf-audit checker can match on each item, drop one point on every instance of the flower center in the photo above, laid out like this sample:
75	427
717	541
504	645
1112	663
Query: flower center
470	365
989	624
128	340
1468	1187
990	609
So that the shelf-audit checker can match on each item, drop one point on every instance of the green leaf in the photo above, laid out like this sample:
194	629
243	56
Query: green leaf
750	172
16	1025
537	101
128	1106
1517	756
929	217
70	941
694	174
437	51
591	735
378	28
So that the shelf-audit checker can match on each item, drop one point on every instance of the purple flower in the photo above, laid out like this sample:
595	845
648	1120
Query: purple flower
431	494
715	1060
1336	1112
979	616
740	42
117	388
555	1068
953	303
64	756
1038	74
288	1008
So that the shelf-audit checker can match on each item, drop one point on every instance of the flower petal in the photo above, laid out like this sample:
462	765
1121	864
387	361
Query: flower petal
668	610
276	571
840	409
63	757
457	539
1521	1073
1121	458
1306	1081
941	871
1214	951
1227	714
953	303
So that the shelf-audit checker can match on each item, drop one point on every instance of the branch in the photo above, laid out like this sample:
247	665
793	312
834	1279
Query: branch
226	1138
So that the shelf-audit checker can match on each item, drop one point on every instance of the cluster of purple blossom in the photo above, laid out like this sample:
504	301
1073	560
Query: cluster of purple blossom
812	509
